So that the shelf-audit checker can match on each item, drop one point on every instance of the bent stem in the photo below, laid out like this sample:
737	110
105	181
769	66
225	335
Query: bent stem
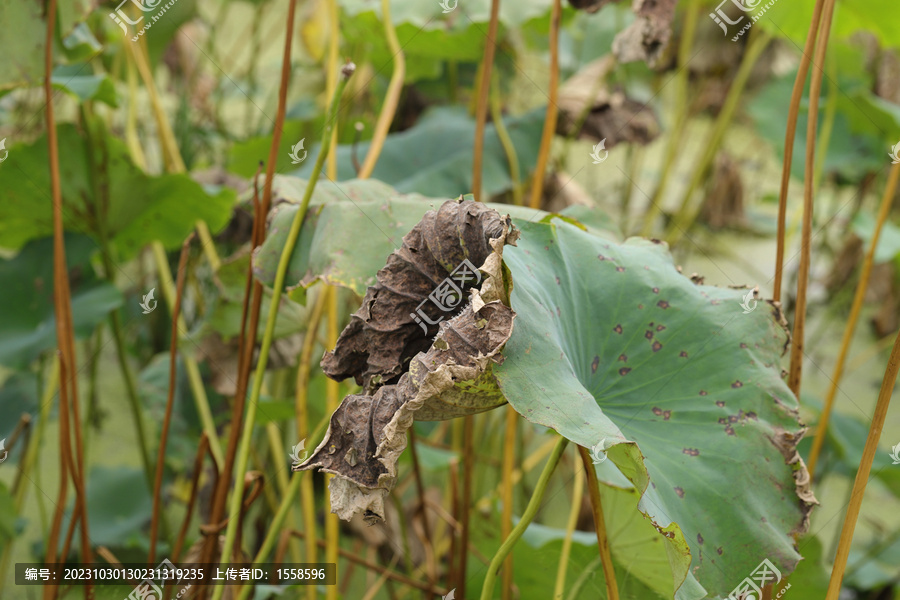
862	286
862	475
527	517
293	234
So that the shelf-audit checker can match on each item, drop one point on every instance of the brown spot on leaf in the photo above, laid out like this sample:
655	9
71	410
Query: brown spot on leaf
624	371
719	550
595	364
703	392
729	430
618	329
743	345
737	384
557	280
657	411
690	451
656	290
601	257
648	334
723	420
720	403
699	539
660	327
623	358
680	492
657	346
683	354
752	415
620	269
662	304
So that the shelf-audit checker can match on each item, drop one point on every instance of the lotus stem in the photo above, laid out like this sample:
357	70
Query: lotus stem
687	214
865	273
537	185
793	114
389	108
277	286
865	468
609	574
815	87
481	106
487	591
577	493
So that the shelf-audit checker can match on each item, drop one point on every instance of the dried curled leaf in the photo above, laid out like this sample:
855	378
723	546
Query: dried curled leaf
383	334
646	38
611	116
452	378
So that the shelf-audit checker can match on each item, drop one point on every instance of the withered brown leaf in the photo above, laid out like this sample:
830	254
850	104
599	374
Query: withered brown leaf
407	375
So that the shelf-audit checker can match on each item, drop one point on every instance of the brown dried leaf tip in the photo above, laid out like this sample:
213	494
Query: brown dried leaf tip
407	373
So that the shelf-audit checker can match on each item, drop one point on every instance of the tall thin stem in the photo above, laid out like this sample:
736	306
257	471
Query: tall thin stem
609	574
537	184
509	462
812	122
866	271
487	591
65	335
277	286
563	566
389	108
332	398
170	401
688	211
862	475
481	107
793	114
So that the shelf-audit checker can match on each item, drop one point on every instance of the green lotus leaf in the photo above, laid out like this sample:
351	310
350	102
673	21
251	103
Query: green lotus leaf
616	350
141	208
331	246
27	318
